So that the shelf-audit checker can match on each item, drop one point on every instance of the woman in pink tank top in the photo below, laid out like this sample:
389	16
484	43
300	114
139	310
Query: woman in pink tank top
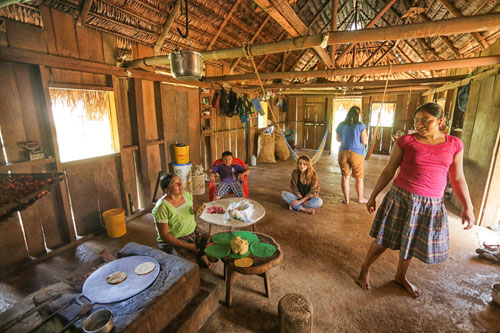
412	217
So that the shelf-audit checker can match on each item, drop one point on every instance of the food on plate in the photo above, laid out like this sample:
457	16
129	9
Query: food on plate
116	277
145	268
239	246
243	262
215	210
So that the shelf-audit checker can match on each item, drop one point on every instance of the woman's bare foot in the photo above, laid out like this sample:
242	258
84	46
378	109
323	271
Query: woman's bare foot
345	201
411	288
363	279
206	261
311	211
290	207
217	198
362	200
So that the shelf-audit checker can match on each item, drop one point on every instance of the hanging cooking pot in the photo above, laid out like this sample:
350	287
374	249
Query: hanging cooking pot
186	65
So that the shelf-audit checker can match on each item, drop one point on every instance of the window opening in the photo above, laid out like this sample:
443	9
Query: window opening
85	122
386	111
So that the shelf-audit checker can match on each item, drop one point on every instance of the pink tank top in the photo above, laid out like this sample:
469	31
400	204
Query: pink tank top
424	168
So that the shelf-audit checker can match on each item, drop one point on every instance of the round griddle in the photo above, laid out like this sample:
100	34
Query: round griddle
97	290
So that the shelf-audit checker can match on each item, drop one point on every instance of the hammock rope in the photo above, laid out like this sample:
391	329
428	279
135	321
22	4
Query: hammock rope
319	152
376	131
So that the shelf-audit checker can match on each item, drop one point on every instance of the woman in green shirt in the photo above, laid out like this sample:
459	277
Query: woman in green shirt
175	225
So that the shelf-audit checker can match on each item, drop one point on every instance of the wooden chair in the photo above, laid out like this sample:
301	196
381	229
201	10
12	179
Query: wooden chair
213	187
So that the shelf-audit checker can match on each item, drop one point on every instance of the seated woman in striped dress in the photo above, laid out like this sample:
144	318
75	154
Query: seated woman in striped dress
412	217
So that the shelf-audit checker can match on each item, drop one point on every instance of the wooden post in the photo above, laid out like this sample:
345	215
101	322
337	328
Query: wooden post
219	31
70	228
138	104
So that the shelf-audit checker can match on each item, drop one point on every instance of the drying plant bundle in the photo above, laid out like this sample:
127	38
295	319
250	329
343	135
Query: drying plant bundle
95	102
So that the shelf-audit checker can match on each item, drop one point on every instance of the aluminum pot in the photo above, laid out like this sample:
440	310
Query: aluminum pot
186	65
100	321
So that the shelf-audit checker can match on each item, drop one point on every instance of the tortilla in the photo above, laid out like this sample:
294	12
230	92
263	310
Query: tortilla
145	268
243	262
116	277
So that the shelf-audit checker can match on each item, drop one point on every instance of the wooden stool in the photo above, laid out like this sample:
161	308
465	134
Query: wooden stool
295	314
260	267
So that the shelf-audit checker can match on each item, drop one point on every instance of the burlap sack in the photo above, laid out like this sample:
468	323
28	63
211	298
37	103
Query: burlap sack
265	152
282	151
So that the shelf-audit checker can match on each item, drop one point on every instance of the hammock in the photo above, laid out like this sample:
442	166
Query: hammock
319	152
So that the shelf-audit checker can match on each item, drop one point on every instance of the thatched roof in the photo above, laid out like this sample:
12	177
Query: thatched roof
141	21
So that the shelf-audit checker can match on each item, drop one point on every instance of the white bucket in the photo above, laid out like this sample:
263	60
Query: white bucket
199	185
183	171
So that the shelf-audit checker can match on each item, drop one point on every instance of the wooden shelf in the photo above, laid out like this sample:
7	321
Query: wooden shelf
29	163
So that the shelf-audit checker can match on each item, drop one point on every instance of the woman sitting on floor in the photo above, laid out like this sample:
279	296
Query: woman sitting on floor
305	188
175	224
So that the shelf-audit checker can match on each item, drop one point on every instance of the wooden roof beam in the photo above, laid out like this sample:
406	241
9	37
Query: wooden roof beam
369	25
455	13
394	68
84	13
166	27
407	31
377	83
219	30
282	13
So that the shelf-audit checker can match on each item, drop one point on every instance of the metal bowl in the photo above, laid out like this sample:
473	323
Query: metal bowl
186	65
496	293
100	321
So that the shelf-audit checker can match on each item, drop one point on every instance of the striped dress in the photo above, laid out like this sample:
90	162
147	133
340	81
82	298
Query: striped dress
412	216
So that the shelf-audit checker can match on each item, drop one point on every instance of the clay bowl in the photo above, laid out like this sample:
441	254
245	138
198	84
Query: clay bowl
496	293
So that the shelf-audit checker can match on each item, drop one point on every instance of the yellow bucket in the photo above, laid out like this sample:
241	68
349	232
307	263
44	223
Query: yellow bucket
114	220
181	154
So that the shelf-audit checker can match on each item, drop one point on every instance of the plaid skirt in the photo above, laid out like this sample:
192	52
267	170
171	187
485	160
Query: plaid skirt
198	237
415	225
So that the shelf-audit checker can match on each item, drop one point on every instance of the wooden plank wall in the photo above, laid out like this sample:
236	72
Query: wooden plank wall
169	114
480	136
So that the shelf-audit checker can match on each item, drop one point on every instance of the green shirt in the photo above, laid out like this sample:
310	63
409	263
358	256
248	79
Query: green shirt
180	219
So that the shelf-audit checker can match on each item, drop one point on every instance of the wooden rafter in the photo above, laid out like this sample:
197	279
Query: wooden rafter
445	39
369	25
370	58
166	27
379	59
282	13
261	26
84	12
219	30
455	13
335	10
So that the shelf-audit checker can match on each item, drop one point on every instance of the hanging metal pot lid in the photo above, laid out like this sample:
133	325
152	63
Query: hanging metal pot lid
98	290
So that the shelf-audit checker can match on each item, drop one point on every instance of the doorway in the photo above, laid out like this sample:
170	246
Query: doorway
340	108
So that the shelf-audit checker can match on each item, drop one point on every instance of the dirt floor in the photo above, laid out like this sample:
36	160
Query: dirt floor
322	258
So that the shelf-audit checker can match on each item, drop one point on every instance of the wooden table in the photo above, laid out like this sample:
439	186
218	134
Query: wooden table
260	267
218	219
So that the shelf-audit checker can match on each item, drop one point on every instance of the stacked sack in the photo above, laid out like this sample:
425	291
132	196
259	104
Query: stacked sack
270	147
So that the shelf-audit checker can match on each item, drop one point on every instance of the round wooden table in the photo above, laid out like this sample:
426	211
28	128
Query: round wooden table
259	267
218	219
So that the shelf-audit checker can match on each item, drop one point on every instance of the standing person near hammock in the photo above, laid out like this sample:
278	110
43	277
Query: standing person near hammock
412	217
305	188
353	137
